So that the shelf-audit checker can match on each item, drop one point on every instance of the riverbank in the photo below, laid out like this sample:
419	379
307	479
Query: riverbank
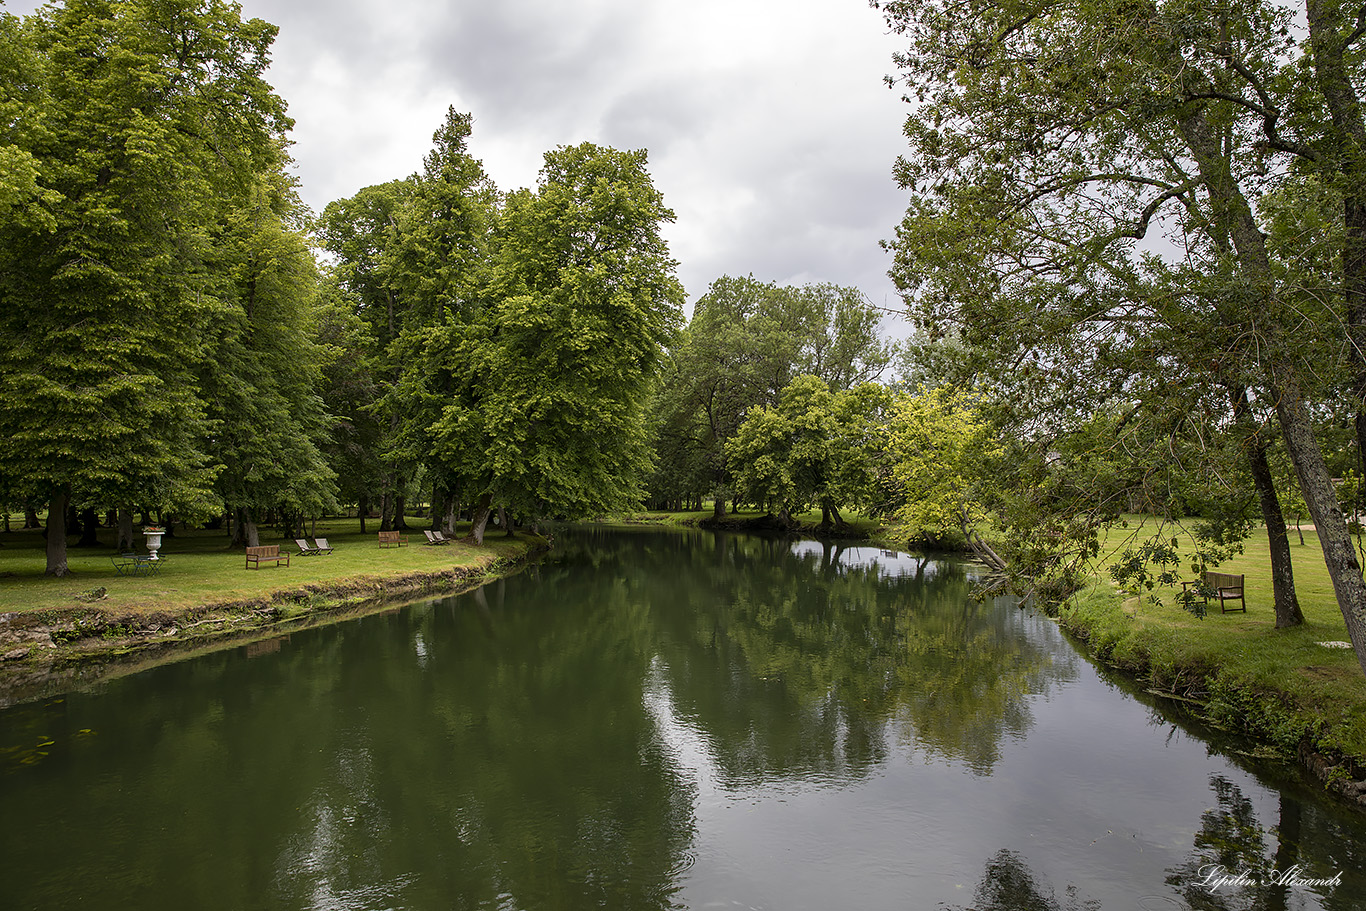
1298	693
57	634
806	524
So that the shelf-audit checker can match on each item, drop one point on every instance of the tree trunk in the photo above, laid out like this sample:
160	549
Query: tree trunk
480	519
30	516
438	506
1317	485
125	523
452	516
718	507
252	533
386	511
245	532
1330	25
830	511
90	525
1287	604
363	511
56	533
400	507
505	520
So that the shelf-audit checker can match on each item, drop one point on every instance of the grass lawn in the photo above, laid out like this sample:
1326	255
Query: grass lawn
1280	686
858	524
200	570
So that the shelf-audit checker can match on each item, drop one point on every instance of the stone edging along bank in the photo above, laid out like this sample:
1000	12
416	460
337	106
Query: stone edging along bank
44	653
1197	688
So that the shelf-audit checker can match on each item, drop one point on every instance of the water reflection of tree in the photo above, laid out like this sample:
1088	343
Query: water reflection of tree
1232	840
803	664
438	757
1008	884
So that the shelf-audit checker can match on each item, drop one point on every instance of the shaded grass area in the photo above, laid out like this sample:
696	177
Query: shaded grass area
1281	687
199	570
856	525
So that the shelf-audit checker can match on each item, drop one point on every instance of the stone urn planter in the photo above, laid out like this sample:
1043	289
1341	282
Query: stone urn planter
153	534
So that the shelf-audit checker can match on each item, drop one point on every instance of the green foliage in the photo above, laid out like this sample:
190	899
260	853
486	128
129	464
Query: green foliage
550	378
944	461
141	139
747	341
262	381
811	447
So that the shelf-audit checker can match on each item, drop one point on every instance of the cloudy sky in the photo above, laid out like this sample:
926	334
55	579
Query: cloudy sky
770	131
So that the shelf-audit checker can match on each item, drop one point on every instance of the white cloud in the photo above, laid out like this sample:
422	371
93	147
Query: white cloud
769	129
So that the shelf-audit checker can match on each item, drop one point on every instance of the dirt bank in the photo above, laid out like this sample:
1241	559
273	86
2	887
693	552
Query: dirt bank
47	652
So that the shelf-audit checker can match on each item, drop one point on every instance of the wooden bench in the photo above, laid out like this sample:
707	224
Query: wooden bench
1226	587
392	537
267	553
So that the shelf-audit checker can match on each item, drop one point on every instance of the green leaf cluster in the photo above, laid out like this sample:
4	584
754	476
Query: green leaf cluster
157	291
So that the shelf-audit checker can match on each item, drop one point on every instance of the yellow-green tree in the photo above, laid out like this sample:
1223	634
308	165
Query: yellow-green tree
945	463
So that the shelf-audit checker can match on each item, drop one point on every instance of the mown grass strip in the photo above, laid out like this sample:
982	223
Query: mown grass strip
1281	687
200	570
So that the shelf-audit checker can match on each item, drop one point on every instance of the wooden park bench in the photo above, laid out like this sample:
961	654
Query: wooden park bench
392	537
1227	587
268	553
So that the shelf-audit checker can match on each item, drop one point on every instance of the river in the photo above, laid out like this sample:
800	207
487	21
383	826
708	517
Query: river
658	720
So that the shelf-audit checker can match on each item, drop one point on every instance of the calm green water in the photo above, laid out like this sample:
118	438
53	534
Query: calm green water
652	721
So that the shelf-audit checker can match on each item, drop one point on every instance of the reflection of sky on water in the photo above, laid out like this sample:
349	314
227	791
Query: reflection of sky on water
890	564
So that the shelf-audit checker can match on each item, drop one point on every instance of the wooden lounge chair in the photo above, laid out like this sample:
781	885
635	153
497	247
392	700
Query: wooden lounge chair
434	537
306	551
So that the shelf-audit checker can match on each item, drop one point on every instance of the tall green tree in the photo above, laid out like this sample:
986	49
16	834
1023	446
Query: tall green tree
551	378
812	447
1047	142
746	342
439	264
362	234
349	390
263	380
143	122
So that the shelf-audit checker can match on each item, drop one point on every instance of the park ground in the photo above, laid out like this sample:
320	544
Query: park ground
1299	693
